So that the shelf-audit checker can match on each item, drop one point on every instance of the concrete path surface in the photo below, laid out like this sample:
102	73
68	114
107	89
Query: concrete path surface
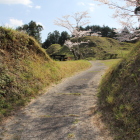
65	112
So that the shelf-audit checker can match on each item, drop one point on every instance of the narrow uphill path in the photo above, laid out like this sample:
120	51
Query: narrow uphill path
64	112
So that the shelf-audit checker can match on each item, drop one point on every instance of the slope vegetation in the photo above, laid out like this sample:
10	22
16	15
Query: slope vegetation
100	48
26	69
119	97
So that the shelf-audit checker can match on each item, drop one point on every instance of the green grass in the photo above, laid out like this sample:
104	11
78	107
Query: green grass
111	62
119	97
103	48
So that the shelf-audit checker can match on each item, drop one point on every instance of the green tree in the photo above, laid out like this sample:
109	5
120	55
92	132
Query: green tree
64	36
52	38
33	29
55	38
105	30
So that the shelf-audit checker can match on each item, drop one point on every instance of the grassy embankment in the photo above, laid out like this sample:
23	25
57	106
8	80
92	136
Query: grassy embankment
119	97
100	48
26	69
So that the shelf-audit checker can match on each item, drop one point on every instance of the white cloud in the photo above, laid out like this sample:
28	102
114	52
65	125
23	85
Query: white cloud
37	7
81	3
14	23
91	4
39	23
24	2
91	9
30	6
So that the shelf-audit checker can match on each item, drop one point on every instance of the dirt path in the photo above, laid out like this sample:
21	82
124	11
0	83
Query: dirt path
64	112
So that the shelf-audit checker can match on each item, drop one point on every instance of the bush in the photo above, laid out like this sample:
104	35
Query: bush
53	49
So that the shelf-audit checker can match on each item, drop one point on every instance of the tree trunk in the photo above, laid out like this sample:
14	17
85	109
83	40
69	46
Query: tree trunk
75	57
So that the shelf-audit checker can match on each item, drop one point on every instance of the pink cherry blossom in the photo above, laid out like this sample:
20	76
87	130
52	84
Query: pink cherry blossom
74	28
124	10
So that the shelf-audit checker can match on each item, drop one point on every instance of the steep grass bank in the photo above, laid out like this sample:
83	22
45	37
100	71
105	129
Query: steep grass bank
25	69
119	97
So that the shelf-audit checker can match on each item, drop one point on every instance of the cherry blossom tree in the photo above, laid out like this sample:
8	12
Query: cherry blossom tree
78	21
74	48
125	10
74	28
126	36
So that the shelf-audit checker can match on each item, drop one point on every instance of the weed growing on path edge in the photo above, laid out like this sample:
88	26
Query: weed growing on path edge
76	121
71	135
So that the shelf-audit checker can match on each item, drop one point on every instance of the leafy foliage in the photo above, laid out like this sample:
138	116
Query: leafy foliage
33	29
53	49
63	37
104	31
55	38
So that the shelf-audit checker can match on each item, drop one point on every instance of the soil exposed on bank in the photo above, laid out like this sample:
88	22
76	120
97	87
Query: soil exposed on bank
66	111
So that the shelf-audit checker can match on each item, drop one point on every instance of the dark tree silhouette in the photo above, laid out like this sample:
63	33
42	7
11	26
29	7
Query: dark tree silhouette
33	29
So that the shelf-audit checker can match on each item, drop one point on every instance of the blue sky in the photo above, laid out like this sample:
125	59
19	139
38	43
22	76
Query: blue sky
18	12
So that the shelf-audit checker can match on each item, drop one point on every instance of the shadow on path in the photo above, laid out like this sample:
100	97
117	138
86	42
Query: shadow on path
63	113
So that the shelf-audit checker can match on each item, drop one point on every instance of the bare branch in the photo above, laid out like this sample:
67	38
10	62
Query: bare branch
124	9
75	30
78	17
